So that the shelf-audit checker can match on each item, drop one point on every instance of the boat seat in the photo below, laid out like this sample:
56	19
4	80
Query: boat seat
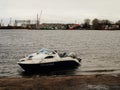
63	54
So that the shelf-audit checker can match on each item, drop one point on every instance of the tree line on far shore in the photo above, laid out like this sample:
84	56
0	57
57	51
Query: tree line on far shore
97	24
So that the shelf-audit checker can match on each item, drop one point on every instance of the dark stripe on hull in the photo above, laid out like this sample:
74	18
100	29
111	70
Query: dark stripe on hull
49	66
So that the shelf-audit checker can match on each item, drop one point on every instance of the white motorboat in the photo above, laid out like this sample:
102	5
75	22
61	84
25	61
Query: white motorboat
48	59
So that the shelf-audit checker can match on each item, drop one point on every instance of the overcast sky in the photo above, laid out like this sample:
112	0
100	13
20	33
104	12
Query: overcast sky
60	10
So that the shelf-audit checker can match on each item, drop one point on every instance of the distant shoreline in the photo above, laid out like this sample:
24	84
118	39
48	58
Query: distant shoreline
52	30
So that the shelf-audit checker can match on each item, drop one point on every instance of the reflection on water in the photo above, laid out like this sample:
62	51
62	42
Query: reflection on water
99	50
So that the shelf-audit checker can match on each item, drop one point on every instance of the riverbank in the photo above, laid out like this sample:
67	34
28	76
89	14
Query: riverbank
81	82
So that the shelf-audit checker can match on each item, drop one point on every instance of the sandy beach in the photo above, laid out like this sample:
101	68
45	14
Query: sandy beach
81	82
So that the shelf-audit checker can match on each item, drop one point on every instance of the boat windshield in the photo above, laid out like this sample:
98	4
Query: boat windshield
45	51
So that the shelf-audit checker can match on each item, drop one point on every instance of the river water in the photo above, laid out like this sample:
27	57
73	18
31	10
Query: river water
99	50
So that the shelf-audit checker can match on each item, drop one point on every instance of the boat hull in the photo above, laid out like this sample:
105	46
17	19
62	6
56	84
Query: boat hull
49	66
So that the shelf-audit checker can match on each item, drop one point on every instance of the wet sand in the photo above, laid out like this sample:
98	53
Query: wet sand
81	82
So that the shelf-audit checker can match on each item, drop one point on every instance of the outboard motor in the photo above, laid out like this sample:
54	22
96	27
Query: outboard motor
79	59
